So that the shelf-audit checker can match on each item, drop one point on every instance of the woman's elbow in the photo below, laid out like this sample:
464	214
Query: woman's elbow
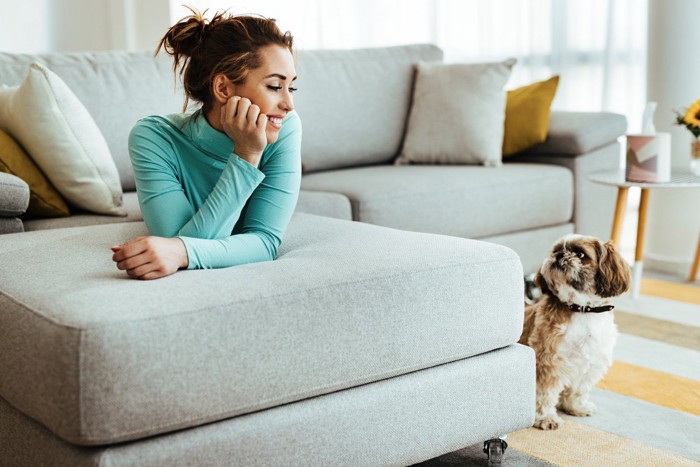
271	244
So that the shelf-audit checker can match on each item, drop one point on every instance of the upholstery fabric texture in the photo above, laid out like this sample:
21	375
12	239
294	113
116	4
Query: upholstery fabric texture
457	114
371	87
312	202
81	218
389	422
324	203
44	200
595	206
530	244
53	126
14	195
423	198
131	367
11	225
575	133
528	110
125	75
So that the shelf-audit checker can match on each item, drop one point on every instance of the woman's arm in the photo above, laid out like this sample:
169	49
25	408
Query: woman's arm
206	234
259	231
164	205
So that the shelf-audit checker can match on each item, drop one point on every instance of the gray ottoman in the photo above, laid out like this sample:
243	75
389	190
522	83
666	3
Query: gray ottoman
359	345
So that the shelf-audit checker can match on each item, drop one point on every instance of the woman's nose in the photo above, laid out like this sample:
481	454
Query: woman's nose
287	103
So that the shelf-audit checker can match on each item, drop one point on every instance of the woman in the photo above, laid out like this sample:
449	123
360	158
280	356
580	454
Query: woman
218	187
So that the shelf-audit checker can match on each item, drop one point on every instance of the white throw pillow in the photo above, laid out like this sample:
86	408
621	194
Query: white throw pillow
59	134
457	115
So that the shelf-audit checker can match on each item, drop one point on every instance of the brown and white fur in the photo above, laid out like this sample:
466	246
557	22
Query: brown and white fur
573	349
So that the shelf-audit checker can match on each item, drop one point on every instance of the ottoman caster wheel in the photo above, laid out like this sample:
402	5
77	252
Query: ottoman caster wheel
494	449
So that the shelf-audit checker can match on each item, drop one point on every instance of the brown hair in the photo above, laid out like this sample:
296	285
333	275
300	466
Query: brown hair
227	44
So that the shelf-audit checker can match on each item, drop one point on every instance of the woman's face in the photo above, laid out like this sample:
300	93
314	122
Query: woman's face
270	87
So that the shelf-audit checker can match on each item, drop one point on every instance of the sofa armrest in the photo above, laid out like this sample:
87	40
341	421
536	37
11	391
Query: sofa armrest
14	199
574	133
584	142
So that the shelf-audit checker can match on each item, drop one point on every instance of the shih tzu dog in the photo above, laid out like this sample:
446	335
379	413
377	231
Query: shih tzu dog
571	328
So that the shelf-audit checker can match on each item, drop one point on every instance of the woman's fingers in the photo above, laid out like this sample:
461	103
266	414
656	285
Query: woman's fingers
152	275
151	257
253	113
241	112
129	249
245	124
262	122
244	113
143	269
133	262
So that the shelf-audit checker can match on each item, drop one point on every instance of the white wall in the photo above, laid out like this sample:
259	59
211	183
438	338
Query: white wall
21	29
673	69
34	26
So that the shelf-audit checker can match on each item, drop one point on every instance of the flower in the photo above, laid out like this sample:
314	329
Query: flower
690	119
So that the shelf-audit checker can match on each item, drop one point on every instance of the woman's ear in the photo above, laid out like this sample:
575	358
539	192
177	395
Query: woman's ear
222	88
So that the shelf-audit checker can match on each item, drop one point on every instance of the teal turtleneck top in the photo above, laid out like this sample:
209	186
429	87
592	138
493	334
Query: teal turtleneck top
191	185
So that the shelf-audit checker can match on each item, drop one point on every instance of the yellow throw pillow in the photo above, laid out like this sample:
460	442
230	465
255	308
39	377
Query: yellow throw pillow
44	200
527	115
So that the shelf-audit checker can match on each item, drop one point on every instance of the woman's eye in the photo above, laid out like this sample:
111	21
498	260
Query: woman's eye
279	88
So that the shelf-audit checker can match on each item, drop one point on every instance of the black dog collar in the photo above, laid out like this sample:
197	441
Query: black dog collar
590	309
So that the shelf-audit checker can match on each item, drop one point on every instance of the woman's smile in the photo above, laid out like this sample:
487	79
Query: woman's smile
275	121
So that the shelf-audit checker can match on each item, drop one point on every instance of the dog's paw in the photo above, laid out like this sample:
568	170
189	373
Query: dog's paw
549	422
580	409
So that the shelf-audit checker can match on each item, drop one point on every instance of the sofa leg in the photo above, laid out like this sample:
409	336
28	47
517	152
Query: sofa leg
494	449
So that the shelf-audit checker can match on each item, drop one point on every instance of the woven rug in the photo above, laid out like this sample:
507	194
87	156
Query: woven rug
648	402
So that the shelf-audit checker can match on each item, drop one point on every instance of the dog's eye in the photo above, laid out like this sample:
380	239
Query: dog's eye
581	254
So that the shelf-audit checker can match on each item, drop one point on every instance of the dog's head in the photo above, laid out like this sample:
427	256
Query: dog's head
581	266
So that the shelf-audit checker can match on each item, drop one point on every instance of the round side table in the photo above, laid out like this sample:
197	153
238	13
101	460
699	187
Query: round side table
616	178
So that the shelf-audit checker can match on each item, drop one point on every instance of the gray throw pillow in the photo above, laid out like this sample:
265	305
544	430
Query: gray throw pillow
457	114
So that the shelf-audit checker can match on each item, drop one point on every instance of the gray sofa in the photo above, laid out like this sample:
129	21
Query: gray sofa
387	341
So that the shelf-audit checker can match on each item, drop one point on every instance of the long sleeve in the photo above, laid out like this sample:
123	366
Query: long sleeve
226	211
259	232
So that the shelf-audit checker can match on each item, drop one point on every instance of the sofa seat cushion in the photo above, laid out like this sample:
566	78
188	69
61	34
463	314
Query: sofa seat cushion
100	358
324	203
491	200
82	218
311	202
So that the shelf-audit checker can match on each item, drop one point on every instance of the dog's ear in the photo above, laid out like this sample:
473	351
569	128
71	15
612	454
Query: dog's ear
613	276
541	283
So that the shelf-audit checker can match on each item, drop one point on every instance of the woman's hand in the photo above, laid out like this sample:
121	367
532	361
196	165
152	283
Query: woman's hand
150	257
245	125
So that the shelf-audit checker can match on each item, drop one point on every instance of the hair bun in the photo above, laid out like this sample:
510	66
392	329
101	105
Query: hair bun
186	36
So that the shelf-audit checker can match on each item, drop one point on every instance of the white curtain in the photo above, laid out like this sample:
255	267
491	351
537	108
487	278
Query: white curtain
597	46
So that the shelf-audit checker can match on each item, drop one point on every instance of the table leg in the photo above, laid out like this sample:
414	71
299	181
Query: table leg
696	264
639	249
619	218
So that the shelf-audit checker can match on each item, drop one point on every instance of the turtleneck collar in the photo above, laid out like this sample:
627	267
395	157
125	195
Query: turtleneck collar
206	137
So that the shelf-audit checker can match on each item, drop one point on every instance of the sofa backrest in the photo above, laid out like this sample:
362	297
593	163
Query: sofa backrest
117	88
354	104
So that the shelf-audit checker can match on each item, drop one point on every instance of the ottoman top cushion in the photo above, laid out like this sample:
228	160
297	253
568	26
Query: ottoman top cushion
100	358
